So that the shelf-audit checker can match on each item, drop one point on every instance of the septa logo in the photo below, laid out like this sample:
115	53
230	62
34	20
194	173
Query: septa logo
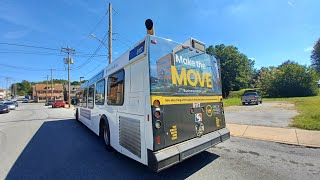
198	117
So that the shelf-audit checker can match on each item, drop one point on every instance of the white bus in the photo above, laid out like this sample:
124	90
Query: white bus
159	103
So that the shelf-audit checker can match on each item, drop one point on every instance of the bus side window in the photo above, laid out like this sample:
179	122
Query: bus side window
79	98
116	88
90	96
99	97
84	99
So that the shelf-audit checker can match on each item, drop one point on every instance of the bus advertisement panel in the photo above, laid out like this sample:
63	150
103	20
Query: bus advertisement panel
180	71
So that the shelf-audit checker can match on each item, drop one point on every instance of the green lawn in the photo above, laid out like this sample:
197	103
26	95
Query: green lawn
308	108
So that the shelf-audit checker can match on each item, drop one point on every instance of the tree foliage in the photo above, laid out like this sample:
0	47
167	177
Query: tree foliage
24	88
236	68
288	80
315	56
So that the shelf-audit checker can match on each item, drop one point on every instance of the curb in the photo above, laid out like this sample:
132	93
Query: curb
288	136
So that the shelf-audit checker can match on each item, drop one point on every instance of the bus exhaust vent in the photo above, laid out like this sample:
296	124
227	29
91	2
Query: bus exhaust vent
129	133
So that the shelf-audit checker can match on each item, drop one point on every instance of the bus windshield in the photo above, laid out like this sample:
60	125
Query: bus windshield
177	70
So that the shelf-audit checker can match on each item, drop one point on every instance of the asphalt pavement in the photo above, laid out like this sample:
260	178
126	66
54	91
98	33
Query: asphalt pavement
49	144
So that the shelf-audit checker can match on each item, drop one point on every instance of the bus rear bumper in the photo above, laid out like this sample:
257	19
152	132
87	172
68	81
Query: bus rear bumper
162	159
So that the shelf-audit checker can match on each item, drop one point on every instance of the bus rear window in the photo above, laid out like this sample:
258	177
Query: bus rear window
177	70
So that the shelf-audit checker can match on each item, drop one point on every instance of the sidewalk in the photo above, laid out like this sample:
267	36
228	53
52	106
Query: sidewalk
281	135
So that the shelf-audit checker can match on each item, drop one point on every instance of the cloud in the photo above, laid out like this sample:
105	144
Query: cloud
290	3
16	34
16	14
86	5
308	49
237	8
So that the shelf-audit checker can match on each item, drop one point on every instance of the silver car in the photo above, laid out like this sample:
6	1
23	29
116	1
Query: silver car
11	105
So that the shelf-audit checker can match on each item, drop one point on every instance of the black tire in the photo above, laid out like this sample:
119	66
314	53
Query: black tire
105	134
243	103
257	103
260	102
77	115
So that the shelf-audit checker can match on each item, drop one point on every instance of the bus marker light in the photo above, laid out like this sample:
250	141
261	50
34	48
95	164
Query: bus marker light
190	49
184	47
158	140
148	118
153	41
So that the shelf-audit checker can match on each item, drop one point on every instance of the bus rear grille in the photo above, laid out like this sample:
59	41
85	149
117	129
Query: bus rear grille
129	133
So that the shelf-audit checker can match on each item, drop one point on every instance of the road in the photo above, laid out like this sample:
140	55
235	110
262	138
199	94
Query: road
273	114
37	142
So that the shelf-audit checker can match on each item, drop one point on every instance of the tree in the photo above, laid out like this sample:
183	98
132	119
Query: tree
288	80
236	68
315	56
75	83
24	88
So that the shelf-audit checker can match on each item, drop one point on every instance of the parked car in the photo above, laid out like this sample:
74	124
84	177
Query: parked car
4	108
49	103
25	100
11	105
251	97
16	103
58	103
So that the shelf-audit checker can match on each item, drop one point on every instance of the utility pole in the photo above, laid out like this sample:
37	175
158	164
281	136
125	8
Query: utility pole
51	84
110	33
47	88
7	88
68	61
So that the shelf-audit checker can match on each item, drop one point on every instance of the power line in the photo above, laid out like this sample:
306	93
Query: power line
24	68
29	46
93	29
90	58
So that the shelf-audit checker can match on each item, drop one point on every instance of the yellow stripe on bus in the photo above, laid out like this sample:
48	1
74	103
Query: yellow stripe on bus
167	100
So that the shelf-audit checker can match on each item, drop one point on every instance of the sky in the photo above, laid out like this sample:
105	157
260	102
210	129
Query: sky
269	32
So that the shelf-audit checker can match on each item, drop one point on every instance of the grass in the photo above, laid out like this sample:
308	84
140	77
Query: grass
231	102
308	108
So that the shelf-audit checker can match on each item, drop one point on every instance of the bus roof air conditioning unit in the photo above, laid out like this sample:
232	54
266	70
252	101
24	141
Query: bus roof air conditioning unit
196	44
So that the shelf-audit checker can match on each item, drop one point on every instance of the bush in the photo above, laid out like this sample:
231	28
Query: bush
238	94
288	80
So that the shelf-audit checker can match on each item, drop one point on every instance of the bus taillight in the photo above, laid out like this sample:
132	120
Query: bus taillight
156	114
157	125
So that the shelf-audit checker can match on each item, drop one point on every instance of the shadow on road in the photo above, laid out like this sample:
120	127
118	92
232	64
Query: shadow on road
66	149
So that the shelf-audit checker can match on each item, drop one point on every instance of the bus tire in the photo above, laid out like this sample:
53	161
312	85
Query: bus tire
105	133
77	115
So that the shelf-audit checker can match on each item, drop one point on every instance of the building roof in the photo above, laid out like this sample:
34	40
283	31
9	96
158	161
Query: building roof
43	86
72	87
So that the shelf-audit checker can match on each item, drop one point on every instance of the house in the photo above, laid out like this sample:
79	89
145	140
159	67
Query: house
73	90
40	92
4	93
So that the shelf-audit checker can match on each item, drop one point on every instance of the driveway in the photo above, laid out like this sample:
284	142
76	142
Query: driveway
274	114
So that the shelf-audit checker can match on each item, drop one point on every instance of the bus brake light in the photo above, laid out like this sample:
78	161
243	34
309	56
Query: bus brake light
158	140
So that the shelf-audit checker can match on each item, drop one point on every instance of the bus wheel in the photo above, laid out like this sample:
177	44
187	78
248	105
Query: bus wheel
77	115
106	134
